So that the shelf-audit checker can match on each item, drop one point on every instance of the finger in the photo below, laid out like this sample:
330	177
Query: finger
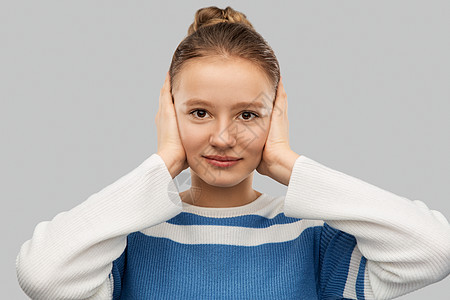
280	101
161	93
164	95
284	97
165	85
167	81
167	89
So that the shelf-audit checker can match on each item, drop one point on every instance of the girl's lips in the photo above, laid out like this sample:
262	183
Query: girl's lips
222	158
222	164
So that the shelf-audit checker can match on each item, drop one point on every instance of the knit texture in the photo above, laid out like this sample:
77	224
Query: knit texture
263	255
332	236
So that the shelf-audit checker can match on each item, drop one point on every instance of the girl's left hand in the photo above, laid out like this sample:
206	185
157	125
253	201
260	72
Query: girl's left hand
276	151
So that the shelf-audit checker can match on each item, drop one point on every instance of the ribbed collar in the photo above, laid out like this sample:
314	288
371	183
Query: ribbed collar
259	203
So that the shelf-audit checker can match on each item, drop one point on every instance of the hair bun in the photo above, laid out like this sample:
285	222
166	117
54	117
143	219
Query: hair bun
211	15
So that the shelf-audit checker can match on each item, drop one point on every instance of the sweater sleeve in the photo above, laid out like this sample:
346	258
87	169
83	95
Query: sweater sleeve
71	256
378	244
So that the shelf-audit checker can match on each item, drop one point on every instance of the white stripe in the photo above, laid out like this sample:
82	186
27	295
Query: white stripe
350	285
111	286
266	206
230	235
368	292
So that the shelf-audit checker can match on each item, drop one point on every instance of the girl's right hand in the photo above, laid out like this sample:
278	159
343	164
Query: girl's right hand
170	147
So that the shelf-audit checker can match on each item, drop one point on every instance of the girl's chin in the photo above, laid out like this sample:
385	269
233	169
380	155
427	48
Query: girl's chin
223	179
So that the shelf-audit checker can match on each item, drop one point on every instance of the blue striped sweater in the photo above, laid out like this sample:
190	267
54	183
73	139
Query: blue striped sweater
332	236
261	255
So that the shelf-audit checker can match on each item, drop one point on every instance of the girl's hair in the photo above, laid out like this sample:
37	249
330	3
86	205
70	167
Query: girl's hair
224	33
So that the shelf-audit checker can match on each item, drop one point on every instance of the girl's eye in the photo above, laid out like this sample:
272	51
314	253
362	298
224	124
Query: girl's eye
248	113
197	110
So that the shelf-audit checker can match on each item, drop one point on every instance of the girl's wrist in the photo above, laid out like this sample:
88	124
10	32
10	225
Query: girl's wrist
172	165
283	170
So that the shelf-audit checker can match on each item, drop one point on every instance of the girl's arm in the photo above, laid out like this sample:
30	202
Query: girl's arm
70	257
400	245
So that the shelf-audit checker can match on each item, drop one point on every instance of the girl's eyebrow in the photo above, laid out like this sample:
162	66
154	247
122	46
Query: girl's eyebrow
197	101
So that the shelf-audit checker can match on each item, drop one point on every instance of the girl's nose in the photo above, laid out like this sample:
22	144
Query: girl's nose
224	135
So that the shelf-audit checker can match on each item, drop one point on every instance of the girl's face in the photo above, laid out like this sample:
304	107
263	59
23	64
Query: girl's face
223	107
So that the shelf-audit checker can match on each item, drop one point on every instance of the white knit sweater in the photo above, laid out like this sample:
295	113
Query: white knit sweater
407	245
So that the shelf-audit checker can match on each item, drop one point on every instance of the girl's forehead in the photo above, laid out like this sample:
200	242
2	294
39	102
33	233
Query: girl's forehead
226	78
249	104
218	80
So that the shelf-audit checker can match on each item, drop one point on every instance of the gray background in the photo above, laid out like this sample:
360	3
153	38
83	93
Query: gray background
367	84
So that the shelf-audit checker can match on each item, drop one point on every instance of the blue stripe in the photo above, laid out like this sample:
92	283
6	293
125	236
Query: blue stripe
249	221
117	270
336	249
159	268
360	279
313	266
